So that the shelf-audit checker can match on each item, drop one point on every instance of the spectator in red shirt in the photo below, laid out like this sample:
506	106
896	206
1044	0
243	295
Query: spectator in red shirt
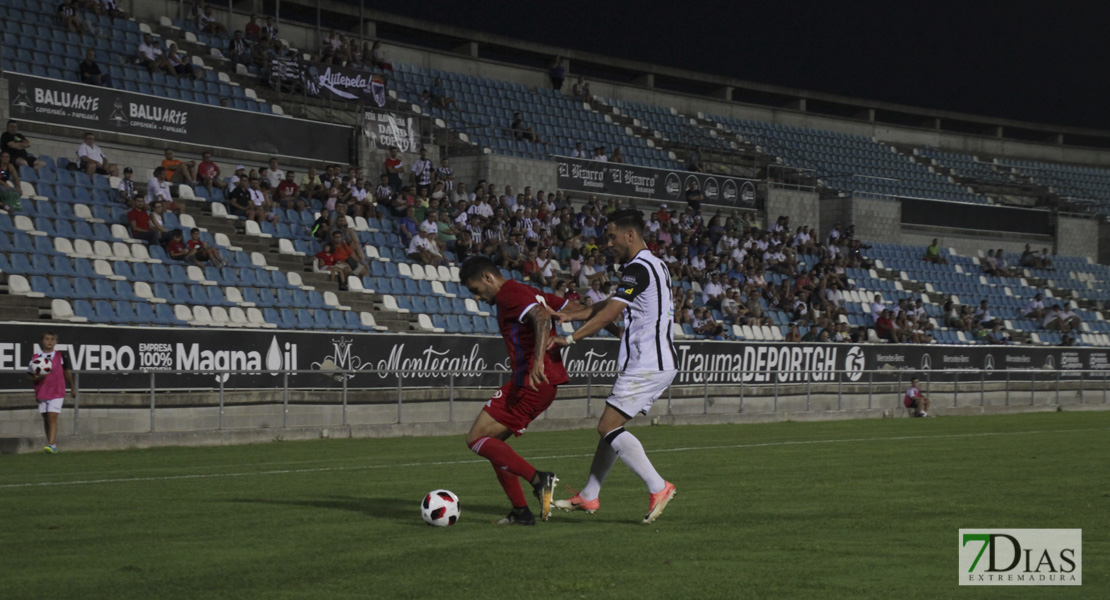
204	252
394	166
208	173
252	29
345	254
288	193
178	251
327	262
886	328
140	222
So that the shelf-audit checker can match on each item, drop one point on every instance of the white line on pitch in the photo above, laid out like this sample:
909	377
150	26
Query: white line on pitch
553	457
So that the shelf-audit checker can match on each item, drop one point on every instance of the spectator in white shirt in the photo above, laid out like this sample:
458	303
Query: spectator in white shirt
93	160
713	291
423	249
595	294
274	175
152	57
1034	309
877	307
579	151
1068	319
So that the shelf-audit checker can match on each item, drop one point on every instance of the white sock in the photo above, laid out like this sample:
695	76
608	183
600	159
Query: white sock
604	457
631	452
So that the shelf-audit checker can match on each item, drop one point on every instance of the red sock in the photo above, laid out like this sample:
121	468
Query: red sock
511	484
503	457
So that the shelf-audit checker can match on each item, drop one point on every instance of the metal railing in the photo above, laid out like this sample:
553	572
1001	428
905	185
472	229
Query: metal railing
710	391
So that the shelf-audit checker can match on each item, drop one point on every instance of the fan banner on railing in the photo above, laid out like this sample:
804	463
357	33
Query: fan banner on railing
598	177
331	82
385	130
93	108
372	358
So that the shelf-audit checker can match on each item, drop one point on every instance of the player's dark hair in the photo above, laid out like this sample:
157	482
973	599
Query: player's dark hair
629	218
49	332
475	267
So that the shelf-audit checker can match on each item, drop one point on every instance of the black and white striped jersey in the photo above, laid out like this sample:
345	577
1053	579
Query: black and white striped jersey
648	340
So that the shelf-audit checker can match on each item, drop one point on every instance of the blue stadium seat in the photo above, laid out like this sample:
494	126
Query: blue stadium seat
105	313
83	308
125	312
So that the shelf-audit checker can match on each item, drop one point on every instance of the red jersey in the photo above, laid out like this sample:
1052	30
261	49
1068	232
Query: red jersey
287	189
141	219
175	247
513	301
197	244
208	169
393	163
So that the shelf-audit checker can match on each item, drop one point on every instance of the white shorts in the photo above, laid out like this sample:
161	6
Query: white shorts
54	406
635	392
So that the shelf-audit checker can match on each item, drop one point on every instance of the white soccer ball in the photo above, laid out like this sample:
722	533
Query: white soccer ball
41	365
440	508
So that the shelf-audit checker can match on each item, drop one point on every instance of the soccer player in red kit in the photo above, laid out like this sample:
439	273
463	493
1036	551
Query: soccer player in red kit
524	317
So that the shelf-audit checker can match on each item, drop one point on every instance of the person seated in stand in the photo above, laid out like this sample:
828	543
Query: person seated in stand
1034	309
344	253
288	193
202	251
207	22
326	262
10	187
1029	258
180	63
916	400
67	14
438	96
990	264
158	222
983	315
933	255
16	145
240	204
93	160
177	250
1069	320
90	71
239	49
178	171
158	189
1045	260
522	132
208	174
997	335
423	249
378	58
152	57
793	335
580	91
705	324
886	329
263	201
139	220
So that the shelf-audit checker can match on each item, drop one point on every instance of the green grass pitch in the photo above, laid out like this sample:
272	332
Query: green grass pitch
849	509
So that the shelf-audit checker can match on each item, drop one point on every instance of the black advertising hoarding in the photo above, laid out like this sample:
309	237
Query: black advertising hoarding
88	107
598	177
263	354
331	82
938	213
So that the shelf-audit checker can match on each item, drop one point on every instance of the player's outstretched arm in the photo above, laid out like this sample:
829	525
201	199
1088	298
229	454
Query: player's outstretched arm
541	327
605	314
573	311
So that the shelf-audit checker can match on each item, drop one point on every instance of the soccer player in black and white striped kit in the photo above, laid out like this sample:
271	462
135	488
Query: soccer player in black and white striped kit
647	360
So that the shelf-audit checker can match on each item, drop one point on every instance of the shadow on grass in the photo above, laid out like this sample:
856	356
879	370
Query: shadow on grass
395	509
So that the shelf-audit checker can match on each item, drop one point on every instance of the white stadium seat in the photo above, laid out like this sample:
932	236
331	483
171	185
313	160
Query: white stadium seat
237	317
201	316
183	313
367	320
220	316
333	301
61	310
255	318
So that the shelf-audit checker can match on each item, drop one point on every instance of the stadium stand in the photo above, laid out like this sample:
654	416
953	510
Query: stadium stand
68	254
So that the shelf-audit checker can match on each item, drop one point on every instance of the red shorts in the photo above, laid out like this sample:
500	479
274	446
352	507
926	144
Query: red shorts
909	402
516	407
